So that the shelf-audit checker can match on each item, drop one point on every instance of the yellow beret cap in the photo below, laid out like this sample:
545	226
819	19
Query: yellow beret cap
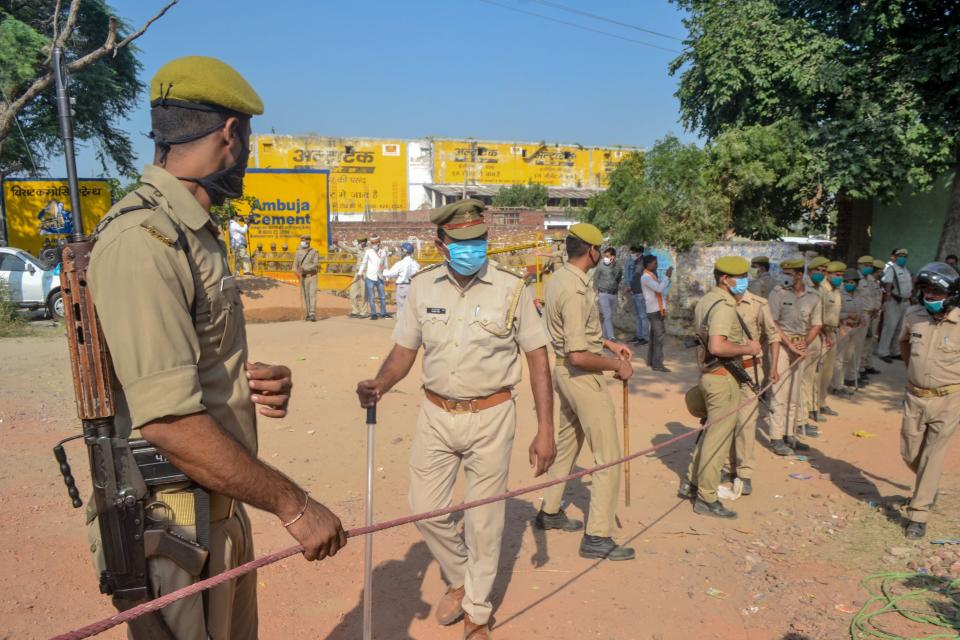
866	260
836	266
587	232
760	260
732	265
200	80
879	264
795	263
901	252
818	262
461	220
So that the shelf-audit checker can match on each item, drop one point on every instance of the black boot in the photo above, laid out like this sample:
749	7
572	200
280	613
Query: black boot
915	530
687	490
795	444
781	448
715	509
558	520
746	487
599	548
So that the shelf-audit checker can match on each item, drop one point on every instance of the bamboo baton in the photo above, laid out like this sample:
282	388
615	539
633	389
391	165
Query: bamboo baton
626	439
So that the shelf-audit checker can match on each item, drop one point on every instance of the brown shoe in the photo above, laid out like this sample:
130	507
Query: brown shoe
474	631
450	607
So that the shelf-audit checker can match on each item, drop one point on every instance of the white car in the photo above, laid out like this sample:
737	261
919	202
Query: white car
30	283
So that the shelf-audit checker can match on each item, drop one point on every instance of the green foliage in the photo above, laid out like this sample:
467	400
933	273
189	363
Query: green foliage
105	92
11	322
118	191
532	196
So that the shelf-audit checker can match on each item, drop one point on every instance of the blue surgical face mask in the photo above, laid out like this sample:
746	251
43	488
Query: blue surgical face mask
850	287
901	261
866	270
816	277
933	306
467	256
741	287
836	281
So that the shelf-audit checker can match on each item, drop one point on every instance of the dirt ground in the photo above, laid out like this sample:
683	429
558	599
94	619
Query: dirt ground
789	568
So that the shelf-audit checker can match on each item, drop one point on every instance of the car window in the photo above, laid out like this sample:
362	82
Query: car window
10	262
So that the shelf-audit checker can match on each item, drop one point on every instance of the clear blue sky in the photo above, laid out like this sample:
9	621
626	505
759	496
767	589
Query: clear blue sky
450	68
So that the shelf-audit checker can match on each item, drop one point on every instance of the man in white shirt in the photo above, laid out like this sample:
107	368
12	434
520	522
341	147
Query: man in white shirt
371	266
238	245
897	283
654	295
403	270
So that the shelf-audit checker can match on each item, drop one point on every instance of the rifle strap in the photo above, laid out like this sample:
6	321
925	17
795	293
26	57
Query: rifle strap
201	507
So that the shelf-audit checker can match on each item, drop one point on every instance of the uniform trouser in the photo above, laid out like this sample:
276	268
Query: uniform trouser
608	303
586	413
358	297
657	332
403	290
870	338
845	359
308	289
232	606
829	357
722	394
858	336
481	442
742	459
240	259
892	319
925	433
812	400
788	401
375	287
640	307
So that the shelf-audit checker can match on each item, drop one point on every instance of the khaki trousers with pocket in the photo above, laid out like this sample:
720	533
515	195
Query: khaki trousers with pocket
829	357
722	394
846	357
742	459
481	443
308	289
812	401
358	297
587	413
232	606
926	430
870	338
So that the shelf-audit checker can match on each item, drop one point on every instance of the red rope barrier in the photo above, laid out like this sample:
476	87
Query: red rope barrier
197	587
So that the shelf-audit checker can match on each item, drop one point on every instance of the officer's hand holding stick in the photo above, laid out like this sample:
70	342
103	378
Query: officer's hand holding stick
270	386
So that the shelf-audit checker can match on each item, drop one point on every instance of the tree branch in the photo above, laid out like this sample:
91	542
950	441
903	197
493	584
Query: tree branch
68	25
56	22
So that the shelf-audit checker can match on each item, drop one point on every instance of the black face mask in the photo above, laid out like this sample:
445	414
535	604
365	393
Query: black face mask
226	183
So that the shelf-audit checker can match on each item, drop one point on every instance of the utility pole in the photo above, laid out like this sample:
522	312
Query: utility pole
469	165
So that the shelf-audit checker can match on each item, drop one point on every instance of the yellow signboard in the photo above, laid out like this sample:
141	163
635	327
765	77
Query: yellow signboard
281	205
480	162
366	175
605	161
37	213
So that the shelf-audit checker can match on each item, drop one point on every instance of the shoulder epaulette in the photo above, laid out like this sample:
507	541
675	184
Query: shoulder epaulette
512	272
426	269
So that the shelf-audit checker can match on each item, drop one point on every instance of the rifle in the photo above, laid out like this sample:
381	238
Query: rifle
119	490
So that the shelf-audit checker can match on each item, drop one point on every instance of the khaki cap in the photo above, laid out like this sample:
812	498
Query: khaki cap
901	252
836	266
794	263
818	262
208	84
696	403
879	264
588	233
760	260
866	260
461	220
732	265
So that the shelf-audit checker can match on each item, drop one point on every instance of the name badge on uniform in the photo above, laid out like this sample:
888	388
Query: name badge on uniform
436	310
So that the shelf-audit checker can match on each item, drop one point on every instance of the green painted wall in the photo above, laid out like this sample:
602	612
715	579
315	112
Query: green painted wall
914	221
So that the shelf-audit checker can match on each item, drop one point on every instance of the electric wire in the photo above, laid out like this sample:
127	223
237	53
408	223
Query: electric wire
563	7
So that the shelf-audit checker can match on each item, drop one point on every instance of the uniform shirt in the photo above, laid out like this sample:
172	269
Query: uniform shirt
796	314
471	349
143	288
403	270
850	309
716	315
651	287
371	265
571	312
869	294
934	348
762	285
830	298
607	278
306	260
238	234
900	278
755	313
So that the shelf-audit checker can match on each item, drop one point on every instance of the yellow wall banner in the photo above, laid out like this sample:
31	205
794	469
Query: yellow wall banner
38	212
282	205
366	175
510	163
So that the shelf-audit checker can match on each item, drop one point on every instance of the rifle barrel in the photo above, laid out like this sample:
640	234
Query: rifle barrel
65	111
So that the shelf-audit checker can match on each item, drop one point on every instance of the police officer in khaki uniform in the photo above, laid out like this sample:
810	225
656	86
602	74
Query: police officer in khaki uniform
715	317
897	283
846	368
762	283
359	308
754	311
815	404
473	319
172	317
829	289
870	296
586	410
306	262
797	311
930	347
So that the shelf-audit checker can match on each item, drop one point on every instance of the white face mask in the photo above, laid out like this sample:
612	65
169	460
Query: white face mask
786	280
607	260
304	244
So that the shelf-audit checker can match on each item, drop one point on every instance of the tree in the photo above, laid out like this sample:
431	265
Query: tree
874	88
533	196
103	79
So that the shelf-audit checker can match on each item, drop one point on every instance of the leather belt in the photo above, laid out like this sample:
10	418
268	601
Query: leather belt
749	362
937	392
472	405
178	507
719	371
